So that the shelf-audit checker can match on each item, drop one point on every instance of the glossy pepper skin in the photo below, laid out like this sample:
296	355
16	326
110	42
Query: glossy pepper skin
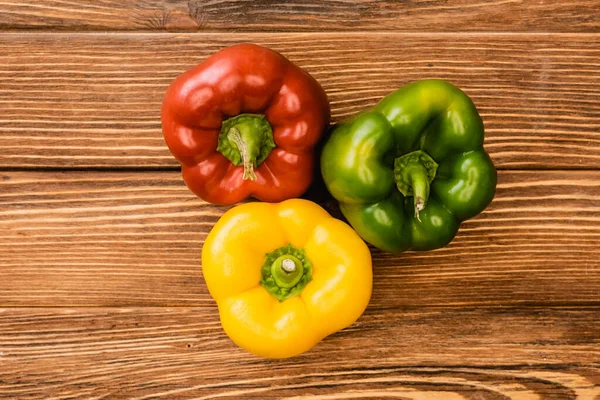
408	171
244	123
241	262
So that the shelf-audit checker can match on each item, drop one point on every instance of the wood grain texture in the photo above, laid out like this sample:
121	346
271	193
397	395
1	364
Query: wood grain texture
131	239
182	353
297	15
93	100
101	291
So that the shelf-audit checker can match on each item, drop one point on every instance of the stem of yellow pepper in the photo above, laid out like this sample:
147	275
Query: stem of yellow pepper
285	272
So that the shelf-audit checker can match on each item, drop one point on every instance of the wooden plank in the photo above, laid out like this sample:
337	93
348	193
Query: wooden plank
93	100
297	15
179	353
130	239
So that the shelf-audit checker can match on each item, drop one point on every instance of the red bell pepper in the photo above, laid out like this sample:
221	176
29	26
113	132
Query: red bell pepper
244	123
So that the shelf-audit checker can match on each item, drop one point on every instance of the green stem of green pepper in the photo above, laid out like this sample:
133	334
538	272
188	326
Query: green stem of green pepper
413	173
419	181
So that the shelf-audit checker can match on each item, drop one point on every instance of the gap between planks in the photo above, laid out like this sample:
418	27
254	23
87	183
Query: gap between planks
132	34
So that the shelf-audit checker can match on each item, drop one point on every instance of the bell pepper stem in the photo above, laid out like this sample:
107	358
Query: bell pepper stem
246	140
419	181
285	272
288	265
235	136
413	173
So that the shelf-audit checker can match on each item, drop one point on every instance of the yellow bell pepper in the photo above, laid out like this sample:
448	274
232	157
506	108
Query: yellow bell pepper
285	275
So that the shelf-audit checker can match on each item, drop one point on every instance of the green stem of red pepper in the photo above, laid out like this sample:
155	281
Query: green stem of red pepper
245	149
246	139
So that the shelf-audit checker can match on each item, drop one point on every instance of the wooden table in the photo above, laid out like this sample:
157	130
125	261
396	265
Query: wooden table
101	291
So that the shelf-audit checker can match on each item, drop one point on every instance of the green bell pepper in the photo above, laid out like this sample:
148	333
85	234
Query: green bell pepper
408	171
